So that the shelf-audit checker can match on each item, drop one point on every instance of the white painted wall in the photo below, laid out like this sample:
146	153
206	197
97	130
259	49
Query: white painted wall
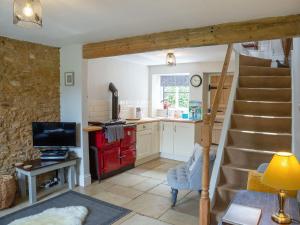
183	68
73	100
296	96
129	78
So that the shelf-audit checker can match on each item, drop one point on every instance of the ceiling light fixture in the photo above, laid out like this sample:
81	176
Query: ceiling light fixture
28	13
171	59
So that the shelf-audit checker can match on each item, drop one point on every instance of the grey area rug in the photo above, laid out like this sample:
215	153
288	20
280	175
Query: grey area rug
100	213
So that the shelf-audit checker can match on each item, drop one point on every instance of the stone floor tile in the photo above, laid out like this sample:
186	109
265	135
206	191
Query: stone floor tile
148	184
150	205
165	191
126	179
157	174
188	206
143	220
178	218
112	198
128	192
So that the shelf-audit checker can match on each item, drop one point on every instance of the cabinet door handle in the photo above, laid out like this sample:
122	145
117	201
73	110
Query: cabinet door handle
163	127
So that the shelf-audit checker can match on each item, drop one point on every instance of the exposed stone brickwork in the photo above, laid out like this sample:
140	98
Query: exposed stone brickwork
29	91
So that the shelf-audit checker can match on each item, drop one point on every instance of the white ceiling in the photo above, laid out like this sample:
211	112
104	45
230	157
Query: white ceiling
83	21
183	55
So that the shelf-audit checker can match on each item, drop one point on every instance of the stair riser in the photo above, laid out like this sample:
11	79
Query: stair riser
264	71
263	108
260	141
264	94
234	177
249	159
265	82
253	61
261	124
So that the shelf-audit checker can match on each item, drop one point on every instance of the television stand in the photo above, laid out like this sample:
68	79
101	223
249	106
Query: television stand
41	167
55	154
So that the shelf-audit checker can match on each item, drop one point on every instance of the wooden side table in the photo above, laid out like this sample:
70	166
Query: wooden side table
268	203
41	167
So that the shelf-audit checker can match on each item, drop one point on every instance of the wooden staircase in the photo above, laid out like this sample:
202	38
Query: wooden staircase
260	126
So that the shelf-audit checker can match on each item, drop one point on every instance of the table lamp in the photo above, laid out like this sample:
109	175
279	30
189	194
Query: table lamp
283	173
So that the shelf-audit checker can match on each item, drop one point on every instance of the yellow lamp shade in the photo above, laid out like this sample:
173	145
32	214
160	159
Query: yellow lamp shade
283	172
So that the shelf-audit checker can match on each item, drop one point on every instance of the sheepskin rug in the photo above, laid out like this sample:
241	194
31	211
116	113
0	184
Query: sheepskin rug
73	215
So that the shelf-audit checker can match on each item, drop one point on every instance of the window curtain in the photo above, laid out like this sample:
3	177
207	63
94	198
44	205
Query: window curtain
167	81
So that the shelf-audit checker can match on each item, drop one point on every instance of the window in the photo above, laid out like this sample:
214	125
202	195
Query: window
176	91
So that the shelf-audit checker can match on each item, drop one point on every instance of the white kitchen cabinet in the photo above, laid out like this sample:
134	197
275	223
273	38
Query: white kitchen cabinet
155	138
172	140
143	143
167	137
184	138
178	139
147	142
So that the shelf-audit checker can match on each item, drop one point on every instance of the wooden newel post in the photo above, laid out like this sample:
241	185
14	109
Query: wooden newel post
206	133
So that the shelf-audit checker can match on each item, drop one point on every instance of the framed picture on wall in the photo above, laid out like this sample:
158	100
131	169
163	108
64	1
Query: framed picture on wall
69	79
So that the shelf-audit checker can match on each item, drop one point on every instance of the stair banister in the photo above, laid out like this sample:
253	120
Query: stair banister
206	139
287	47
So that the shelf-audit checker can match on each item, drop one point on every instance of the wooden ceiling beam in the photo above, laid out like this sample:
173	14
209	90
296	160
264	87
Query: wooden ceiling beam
252	30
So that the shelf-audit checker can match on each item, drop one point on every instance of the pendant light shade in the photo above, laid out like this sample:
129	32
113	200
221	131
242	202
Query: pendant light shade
171	59
28	13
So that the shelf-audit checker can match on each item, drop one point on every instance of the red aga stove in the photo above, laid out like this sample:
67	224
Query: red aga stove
107	159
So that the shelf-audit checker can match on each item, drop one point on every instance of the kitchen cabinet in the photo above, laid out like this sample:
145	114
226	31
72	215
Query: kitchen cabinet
148	142
184	139
167	137
155	138
178	139
144	143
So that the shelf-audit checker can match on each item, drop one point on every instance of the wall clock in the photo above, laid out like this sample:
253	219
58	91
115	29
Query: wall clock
196	80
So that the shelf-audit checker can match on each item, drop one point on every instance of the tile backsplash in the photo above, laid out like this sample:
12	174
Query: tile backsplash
100	110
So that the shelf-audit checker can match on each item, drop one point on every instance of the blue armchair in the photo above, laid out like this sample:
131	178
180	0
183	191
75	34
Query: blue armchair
188	176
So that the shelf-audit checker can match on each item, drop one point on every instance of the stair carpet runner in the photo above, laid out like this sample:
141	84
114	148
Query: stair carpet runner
260	126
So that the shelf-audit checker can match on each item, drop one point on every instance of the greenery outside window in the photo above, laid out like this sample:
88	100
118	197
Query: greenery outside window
176	91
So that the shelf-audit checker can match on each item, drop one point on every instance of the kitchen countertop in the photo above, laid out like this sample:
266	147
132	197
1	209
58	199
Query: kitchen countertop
145	120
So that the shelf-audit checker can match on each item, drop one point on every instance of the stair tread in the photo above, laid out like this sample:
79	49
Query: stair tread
268	68
233	167
252	150
267	77
265	88
260	132
230	187
261	116
261	102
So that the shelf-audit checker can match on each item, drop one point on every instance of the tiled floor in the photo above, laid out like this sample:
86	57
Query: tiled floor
144	191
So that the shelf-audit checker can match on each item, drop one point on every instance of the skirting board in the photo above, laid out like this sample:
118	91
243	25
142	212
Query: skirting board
147	159
174	157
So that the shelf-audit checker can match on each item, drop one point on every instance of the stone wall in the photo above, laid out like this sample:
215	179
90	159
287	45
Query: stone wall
29	91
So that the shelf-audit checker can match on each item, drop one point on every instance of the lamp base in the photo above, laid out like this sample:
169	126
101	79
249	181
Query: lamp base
281	218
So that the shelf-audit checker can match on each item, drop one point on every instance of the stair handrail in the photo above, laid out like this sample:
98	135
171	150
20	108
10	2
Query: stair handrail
206	140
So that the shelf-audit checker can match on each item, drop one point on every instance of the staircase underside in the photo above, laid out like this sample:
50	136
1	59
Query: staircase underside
260	126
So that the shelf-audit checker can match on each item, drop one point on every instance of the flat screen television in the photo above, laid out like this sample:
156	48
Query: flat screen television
54	134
